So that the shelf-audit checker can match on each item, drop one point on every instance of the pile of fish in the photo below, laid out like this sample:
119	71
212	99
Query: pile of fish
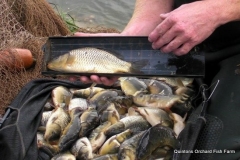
135	119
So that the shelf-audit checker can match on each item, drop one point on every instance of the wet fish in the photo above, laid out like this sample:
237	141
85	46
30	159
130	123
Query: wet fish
86	92
56	124
102	98
61	97
111	116
132	112
97	136
158	87
78	103
48	105
40	139
106	157
159	101
82	149
187	81
134	123
122	101
71	132
45	116
154	137
109	113
64	156
112	105
95	60
112	145
164	153
185	92
155	115
89	121
128	149
131	85
51	150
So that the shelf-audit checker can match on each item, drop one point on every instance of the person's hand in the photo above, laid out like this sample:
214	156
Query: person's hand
108	81
185	27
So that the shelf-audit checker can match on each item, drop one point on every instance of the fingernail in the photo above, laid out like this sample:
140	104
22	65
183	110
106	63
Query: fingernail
149	39
153	46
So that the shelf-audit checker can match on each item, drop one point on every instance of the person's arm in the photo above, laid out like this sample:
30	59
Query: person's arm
192	23
144	19
146	16
226	10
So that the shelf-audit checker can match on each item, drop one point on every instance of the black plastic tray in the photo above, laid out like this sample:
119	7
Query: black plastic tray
132	49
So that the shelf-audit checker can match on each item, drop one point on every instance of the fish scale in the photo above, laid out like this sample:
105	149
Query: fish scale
94	60
135	123
59	117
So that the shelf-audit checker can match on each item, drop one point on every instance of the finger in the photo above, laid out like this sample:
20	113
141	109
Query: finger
96	79
160	30
184	49
85	79
108	81
72	78
163	40
173	45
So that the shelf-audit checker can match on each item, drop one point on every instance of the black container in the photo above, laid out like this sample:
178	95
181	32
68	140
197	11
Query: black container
131	49
19	125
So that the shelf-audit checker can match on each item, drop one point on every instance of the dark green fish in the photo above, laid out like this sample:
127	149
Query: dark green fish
155	137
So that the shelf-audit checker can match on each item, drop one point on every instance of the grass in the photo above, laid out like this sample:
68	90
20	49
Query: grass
67	18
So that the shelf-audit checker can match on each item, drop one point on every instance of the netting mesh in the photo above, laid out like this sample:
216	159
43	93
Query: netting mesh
27	24
24	24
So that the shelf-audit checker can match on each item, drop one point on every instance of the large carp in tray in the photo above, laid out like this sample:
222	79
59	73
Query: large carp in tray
89	59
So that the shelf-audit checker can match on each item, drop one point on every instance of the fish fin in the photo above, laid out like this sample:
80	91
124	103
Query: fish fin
41	129
185	117
73	90
136	66
70	59
93	85
132	111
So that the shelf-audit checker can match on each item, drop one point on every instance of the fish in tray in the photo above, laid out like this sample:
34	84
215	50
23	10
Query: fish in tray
94	60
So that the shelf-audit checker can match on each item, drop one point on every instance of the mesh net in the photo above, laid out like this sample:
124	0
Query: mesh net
24	24
27	24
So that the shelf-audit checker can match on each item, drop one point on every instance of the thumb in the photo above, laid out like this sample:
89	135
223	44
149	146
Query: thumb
164	15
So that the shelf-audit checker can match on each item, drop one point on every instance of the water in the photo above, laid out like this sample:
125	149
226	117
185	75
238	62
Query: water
90	13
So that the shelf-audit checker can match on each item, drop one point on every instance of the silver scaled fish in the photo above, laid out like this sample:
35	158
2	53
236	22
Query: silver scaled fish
95	60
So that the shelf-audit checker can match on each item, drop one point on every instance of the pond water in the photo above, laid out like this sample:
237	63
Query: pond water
90	13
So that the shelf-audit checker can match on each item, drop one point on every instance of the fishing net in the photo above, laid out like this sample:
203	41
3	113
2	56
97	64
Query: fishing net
27	24
23	24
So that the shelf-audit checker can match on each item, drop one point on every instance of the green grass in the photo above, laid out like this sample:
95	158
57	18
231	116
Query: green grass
67	18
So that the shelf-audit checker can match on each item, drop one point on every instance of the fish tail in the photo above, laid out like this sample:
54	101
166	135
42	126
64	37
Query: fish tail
138	65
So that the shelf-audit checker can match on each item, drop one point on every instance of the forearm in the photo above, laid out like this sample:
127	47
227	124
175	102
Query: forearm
224	10
146	16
